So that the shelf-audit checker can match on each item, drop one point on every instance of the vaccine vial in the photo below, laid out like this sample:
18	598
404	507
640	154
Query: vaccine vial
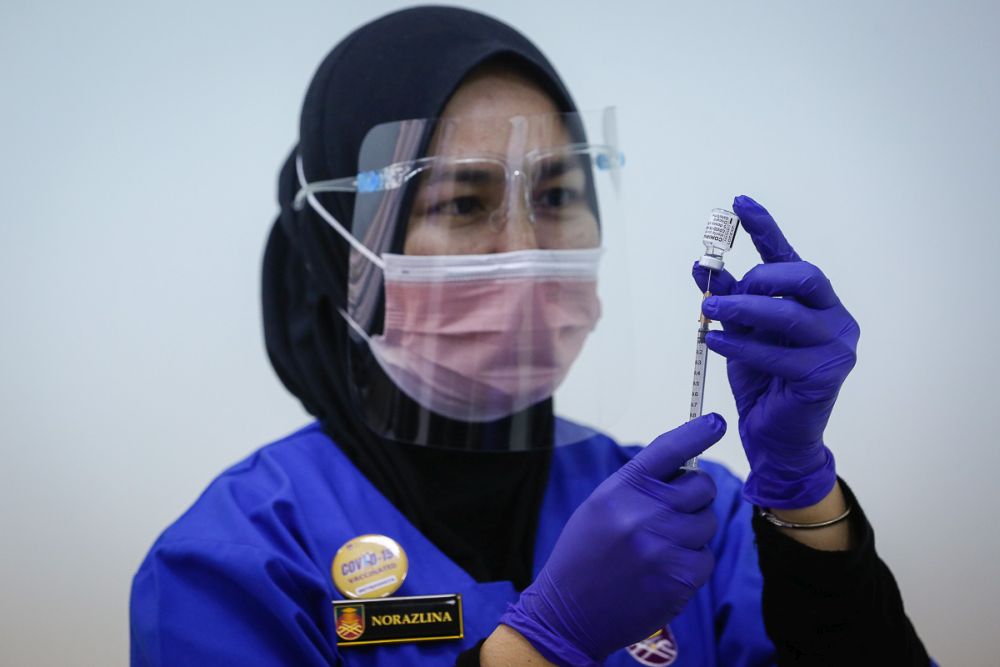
718	238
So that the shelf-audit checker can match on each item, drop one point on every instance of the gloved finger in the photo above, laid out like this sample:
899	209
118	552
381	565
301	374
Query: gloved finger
800	325
802	280
723	282
691	491
697	529
790	363
663	457
690	567
704	564
691	531
764	231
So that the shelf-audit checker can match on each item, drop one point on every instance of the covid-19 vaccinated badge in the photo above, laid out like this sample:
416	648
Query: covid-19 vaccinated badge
369	566
367	570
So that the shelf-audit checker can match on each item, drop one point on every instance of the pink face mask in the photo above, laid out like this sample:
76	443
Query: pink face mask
479	337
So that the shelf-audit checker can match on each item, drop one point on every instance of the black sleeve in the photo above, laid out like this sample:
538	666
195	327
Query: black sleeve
833	607
470	658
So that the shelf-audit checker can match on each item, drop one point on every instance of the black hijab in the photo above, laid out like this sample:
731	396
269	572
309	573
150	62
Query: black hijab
480	507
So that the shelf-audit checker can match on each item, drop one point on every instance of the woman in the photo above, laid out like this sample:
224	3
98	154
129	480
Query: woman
426	288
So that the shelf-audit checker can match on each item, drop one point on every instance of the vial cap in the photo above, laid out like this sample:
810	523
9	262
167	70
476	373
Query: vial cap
710	262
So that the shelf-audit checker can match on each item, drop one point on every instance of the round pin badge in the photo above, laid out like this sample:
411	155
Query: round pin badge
369	566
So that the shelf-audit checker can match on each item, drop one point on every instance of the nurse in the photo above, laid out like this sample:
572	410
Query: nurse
429	282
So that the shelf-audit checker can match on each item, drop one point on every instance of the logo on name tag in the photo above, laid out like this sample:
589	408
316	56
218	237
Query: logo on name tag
350	622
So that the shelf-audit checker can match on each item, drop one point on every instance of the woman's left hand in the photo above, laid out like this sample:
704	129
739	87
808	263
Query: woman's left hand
789	345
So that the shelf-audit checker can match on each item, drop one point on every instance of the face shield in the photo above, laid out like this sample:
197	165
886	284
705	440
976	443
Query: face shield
483	250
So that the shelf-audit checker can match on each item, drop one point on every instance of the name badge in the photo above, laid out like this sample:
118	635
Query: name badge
394	620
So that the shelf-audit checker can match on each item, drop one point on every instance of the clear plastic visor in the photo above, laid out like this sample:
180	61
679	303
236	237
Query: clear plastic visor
486	251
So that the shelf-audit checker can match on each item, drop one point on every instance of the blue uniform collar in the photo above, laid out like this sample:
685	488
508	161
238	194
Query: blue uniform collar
572	476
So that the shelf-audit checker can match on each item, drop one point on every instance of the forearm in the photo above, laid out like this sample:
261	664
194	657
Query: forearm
504	648
831	604
836	537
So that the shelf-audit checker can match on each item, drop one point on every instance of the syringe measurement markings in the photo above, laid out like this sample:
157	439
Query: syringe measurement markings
698	380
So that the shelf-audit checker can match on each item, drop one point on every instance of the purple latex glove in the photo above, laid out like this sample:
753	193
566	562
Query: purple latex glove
629	558
786	359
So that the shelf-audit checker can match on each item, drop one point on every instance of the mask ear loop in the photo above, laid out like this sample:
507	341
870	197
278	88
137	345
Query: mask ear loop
340	229
332	221
365	336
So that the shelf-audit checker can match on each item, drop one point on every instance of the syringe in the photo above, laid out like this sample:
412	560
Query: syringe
718	239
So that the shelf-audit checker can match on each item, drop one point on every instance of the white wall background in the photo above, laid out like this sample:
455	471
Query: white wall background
139	144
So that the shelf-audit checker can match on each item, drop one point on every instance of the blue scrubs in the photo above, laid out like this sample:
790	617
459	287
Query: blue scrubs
243	577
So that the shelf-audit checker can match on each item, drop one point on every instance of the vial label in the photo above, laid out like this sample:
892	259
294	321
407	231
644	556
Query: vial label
721	229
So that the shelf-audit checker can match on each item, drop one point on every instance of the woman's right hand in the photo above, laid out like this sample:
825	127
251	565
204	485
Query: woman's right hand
629	558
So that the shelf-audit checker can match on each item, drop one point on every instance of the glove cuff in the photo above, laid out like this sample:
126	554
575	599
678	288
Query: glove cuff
775	488
555	648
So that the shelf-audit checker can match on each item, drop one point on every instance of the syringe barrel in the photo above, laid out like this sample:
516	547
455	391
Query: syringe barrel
698	383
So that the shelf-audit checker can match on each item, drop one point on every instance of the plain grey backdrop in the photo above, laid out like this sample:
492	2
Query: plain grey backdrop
139	145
